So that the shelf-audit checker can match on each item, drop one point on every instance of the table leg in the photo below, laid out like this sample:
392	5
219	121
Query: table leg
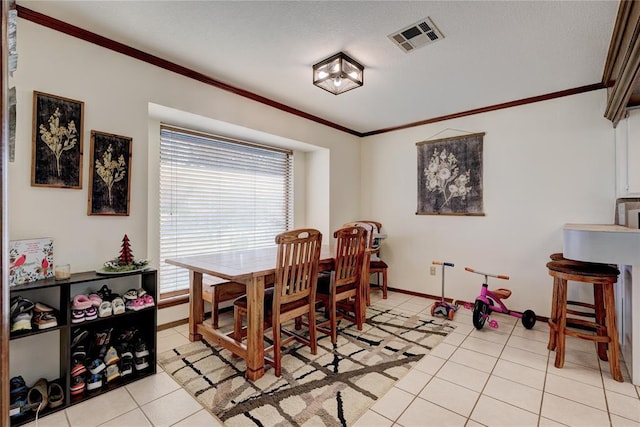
255	328
196	312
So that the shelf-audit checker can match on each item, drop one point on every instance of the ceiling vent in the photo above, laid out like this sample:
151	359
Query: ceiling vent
416	35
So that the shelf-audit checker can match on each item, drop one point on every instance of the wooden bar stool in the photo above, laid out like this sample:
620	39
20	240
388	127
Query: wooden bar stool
602	277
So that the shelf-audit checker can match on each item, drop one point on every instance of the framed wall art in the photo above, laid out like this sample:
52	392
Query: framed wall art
110	174
56	159
450	176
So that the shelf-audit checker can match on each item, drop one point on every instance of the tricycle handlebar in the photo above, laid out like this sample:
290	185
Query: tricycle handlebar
497	276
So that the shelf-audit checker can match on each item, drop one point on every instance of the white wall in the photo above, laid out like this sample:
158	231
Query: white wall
545	164
125	97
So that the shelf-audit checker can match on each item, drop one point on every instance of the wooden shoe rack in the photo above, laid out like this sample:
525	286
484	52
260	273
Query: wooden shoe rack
47	353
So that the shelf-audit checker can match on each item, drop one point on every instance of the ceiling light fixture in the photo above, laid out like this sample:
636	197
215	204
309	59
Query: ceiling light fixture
338	74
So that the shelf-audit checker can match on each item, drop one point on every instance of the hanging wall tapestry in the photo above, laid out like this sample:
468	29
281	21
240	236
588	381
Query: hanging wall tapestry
450	176
110	174
57	141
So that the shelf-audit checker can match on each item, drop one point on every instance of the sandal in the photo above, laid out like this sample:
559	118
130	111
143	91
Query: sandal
118	305
106	309
37	395
56	395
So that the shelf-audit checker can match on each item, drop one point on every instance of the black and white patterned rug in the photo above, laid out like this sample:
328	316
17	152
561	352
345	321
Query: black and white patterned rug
333	388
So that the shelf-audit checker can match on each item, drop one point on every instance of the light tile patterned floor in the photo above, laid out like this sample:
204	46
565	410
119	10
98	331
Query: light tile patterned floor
491	377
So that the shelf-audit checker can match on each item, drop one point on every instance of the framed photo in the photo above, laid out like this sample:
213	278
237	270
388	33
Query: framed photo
110	174
450	176
56	158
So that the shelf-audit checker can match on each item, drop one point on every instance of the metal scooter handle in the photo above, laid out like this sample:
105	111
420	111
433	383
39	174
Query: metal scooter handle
497	276
446	264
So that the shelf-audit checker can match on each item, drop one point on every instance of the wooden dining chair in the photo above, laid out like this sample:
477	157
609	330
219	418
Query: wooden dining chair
344	283
293	294
376	265
366	263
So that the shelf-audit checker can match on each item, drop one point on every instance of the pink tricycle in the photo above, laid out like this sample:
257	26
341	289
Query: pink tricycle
486	304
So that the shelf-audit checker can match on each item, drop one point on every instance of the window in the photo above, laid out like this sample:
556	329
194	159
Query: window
218	195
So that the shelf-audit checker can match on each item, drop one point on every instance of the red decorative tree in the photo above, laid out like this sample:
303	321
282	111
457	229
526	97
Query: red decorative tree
126	256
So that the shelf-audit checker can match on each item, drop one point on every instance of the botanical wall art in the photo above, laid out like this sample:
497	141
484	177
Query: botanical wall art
450	176
110	175
57	141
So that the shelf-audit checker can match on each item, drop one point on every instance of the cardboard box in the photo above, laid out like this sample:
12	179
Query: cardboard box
30	260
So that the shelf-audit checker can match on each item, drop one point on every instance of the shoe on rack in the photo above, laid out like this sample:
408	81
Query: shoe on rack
148	300
141	363
135	304
79	352
96	366
112	372
20	305
78	336
106	294
130	295
111	357
118	305
77	368
21	322
78	385
41	307
125	350
95	299
126	366
44	320
91	313
77	316
141	349
56	395
18	404
128	334
17	385
38	394
95	382
81	302
106	309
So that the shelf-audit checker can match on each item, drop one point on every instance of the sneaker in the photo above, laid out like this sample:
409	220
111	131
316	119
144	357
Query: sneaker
20	305
77	368
125	350
112	372
21	322
77	316
17	385
105	293
106	309
141	349
44	320
148	300
141	363
135	305
103	337
95	382
96	366
17	404
42	308
126	366
118	305
91	313
128	334
79	352
111	357
78	385
130	295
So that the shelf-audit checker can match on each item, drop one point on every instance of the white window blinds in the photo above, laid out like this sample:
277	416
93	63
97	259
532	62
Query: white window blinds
218	195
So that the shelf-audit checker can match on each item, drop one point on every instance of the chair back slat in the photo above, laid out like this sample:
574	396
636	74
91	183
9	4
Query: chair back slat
350	251
297	265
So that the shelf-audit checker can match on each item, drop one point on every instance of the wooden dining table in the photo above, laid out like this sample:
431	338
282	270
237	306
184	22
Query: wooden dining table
252	267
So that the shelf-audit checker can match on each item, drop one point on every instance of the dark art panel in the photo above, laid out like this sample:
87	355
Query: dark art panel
110	175
57	141
450	176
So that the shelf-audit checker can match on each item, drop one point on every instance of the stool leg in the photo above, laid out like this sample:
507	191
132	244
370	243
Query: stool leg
612	331
384	284
561	316
553	319
600	316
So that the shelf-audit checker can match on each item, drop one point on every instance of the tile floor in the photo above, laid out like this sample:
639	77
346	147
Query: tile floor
491	377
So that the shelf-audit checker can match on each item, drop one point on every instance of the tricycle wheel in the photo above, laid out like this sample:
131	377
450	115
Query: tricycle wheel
480	314
433	308
528	319
451	313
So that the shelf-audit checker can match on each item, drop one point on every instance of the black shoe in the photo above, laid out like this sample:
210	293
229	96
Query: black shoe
141	349
78	336
126	366
141	363
20	305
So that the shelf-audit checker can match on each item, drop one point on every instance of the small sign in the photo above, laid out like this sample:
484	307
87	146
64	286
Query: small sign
30	260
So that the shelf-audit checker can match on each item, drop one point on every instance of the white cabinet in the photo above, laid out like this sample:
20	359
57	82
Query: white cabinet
627	135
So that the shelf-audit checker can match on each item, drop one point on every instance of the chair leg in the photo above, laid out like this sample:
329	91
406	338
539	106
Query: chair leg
313	339
384	284
612	331
237	324
562	323
598	301
334	323
214	307
553	319
276	347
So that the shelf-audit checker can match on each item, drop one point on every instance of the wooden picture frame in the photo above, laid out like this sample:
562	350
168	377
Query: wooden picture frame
110	174
56	156
450	176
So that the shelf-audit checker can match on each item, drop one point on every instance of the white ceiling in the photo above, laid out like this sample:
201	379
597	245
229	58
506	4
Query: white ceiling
493	52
